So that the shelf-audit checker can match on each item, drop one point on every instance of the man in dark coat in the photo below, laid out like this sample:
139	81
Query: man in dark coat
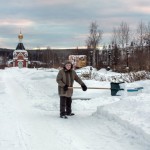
65	79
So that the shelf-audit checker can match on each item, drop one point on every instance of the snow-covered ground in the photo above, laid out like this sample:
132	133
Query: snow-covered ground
29	114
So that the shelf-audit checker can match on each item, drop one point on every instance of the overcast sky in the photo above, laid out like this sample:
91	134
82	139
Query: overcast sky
65	23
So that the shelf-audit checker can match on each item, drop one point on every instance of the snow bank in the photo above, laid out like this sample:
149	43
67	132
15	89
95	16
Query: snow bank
132	112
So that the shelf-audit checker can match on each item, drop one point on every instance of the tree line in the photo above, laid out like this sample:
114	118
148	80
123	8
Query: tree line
126	51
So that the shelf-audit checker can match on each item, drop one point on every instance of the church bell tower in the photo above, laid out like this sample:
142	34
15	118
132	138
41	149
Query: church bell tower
20	55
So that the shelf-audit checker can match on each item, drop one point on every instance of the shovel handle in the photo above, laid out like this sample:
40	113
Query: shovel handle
87	88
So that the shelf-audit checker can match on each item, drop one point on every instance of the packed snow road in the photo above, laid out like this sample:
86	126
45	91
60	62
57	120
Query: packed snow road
26	124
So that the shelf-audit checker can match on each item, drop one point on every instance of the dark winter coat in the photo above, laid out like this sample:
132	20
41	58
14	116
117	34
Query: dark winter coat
67	77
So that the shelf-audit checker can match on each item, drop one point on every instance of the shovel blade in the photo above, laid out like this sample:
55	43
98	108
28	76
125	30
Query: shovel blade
116	88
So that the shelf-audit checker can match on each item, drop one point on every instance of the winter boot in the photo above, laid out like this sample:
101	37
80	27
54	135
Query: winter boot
63	116
71	114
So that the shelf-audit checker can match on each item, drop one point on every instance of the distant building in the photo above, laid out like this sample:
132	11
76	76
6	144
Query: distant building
20	55
78	61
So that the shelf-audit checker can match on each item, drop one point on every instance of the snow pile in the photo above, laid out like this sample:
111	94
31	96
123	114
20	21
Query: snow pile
133	113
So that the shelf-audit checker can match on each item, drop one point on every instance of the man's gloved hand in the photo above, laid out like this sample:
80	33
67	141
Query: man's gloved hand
65	87
84	87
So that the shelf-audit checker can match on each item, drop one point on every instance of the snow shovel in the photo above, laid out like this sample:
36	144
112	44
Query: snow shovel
115	88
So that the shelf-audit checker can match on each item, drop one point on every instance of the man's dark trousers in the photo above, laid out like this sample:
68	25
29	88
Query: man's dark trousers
65	105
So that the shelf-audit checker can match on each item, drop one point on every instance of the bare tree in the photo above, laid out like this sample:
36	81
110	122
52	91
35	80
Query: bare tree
148	28
123	34
141	30
120	37
147	34
147	41
114	36
94	40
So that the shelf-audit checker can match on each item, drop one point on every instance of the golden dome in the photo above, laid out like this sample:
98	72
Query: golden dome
20	36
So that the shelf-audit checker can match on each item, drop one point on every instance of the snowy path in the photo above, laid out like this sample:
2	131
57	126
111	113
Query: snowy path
24	127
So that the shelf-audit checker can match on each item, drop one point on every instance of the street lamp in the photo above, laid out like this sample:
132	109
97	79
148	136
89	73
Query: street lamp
148	44
91	56
109	54
127	52
91	59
